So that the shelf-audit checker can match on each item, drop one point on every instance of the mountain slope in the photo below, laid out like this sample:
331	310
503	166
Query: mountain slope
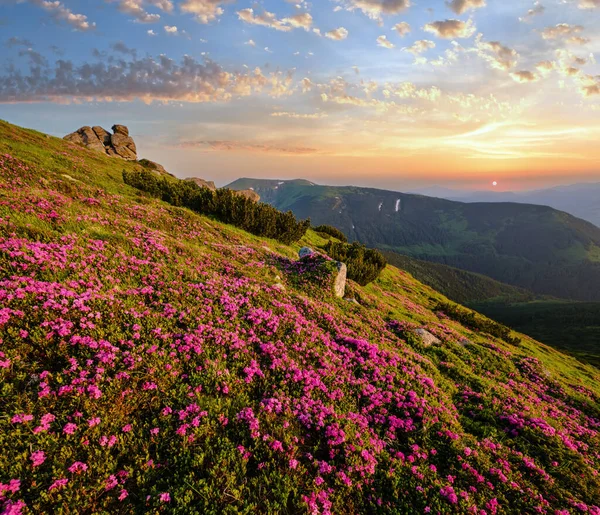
533	247
580	200
571	326
157	361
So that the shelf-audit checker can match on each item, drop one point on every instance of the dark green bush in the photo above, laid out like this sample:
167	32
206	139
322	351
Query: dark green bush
473	320
364	265
228	207
332	231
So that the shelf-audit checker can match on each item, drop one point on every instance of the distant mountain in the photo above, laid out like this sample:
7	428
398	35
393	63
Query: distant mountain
534	247
580	200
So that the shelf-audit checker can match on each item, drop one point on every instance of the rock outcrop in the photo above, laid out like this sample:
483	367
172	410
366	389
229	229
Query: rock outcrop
427	338
339	282
154	167
305	251
249	194
119	144
202	183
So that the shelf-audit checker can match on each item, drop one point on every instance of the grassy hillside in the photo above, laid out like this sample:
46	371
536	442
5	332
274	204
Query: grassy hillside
155	361
459	285
567	325
533	247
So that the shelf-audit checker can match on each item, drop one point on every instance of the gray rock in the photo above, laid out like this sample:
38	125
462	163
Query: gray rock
339	285
85	136
102	134
305	251
202	183
151	165
123	145
120	129
249	194
354	301
119	144
427	338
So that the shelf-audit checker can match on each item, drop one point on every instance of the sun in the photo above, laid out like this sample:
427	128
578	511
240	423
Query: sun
494	183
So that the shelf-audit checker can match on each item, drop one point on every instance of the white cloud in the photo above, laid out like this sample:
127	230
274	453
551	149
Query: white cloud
374	9
450	29
383	41
149	79
420	47
59	12
268	19
337	34
402	28
537	10
462	6
204	11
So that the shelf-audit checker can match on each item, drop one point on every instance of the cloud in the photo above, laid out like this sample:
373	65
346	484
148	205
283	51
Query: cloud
16	41
537	10
337	34
382	41
545	67
374	9
35	58
525	77
299	21
135	8
250	42
204	11
149	79
462	6
420	47
122	48
268	19
171	30
402	28
244	146
298	116
450	29
560	31
496	54
589	4
59	12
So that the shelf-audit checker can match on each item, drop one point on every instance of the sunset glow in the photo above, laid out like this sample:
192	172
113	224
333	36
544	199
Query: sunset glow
369	92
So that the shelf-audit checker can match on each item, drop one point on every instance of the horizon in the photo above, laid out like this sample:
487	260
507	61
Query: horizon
381	94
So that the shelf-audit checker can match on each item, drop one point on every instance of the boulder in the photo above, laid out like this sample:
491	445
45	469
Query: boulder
123	145
249	194
305	251
202	183
120	129
427	338
102	134
119	144
87	137
339	283
151	165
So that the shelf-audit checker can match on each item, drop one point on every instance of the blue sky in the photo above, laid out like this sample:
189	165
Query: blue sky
392	93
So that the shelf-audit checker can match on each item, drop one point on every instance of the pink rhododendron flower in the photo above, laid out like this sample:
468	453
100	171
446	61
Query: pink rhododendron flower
37	458
58	484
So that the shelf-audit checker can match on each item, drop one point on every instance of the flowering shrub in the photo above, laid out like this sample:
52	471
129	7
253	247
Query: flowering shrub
150	364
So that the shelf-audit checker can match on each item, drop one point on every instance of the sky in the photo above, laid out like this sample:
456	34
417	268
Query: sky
397	94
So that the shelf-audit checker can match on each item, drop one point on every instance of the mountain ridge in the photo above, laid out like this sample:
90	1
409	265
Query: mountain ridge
535	247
